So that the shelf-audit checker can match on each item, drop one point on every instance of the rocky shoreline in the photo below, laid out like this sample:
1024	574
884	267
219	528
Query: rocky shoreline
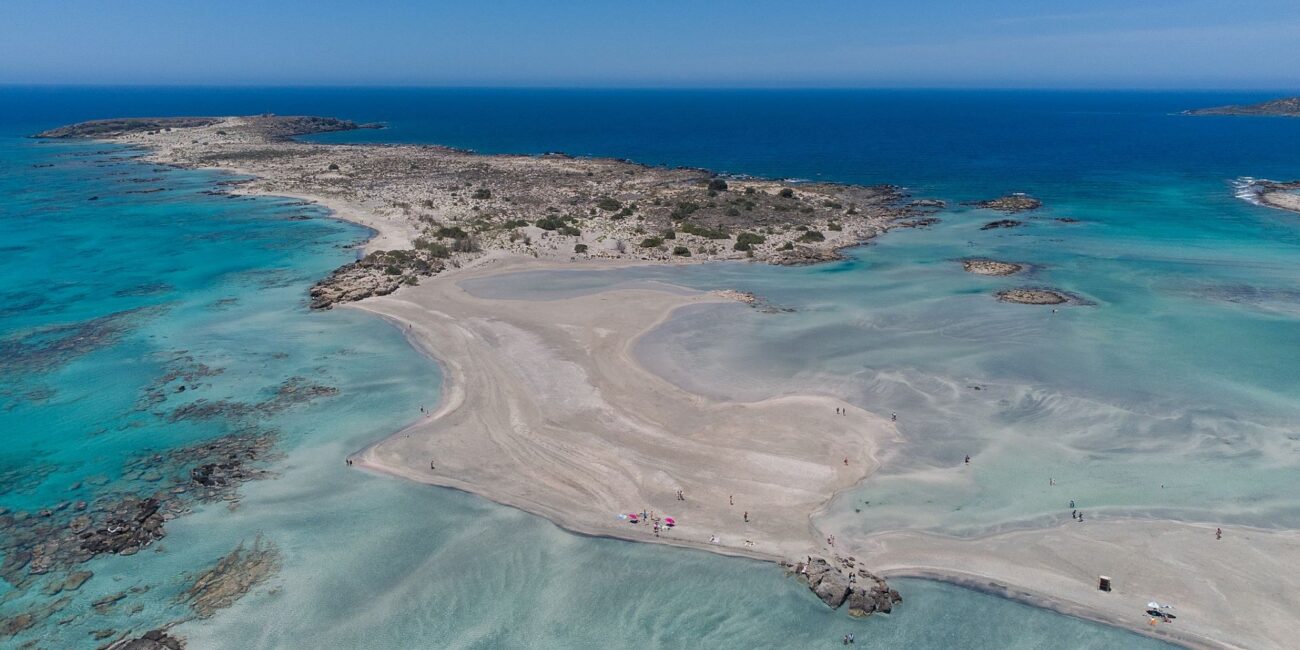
1273	194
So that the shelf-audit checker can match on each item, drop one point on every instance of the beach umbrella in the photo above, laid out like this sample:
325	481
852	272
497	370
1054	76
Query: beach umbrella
1153	605
670	521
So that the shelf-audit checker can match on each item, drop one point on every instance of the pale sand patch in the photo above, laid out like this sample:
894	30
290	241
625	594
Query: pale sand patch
547	410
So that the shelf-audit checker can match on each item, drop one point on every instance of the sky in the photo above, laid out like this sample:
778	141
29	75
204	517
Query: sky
1221	44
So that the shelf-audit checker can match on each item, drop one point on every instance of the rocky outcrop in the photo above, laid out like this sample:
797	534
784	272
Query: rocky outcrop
1010	203
843	581
1033	296
990	267
377	274
1284	107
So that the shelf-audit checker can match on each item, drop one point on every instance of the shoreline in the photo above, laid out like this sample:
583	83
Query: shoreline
918	570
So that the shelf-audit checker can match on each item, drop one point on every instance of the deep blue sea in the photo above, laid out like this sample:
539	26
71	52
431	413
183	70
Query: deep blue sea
1181	371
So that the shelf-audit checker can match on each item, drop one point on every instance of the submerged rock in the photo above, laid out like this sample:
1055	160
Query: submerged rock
232	577
990	267
1001	223
1033	296
151	640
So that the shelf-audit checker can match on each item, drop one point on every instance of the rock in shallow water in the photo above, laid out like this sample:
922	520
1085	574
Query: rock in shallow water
1033	297
843	582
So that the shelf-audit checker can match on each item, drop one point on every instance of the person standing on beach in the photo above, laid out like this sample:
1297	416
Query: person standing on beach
1218	533
746	516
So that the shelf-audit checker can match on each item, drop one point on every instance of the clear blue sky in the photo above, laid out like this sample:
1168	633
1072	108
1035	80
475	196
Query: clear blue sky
876	43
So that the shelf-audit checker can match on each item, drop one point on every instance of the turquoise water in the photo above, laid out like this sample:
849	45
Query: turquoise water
1178	373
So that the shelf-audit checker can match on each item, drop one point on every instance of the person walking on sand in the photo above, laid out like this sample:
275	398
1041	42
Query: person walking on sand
893	417
731	499
431	464
746	516
1218	533
967	459
846	460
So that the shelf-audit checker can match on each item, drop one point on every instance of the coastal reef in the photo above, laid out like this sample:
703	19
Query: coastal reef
841	581
1010	203
1284	107
439	208
981	266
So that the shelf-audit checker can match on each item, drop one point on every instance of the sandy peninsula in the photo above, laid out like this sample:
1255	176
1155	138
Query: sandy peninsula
545	408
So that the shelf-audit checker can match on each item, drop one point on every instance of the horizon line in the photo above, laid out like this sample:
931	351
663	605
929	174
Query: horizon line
648	87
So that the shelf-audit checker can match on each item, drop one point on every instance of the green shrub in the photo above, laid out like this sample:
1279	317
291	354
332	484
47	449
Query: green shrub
482	193
608	204
747	240
579	248
670	234
834	226
569	231
732	212
788	246
652	242
703	231
786	193
434	248
550	223
682	251
453	232
812	236
718	185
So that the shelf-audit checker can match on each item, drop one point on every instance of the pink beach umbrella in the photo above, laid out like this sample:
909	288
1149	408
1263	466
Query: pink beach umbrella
670	521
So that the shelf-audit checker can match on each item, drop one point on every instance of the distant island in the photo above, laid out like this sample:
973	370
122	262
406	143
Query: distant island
1284	107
